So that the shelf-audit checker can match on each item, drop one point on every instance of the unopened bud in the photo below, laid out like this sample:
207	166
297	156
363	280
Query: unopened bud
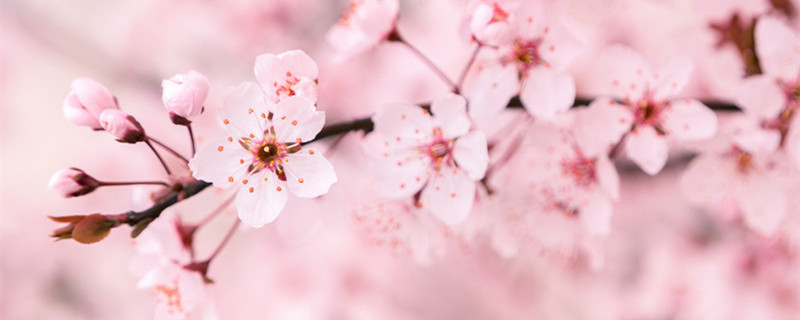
184	96
87	100
122	126
86	229
72	182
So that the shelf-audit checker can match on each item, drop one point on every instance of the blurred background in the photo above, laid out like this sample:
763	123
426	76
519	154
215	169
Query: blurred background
665	258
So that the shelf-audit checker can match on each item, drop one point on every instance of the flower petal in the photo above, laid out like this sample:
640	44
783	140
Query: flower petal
403	125
707	179
308	175
595	214
600	126
761	96
297	118
689	119
450	113
778	48
672	77
449	195
261	202
647	149
763	202
288	68
607	177
244	111
492	90
546	92
221	162
471	154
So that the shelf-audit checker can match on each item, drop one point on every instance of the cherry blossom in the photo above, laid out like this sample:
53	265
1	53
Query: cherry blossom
184	95
287	74
746	171
531	62
436	158
72	182
180	293
122	126
365	24
87	100
262	154
645	105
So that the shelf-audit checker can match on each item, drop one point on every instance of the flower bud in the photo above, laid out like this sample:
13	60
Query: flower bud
122	126
72	182
86	229
87	100
184	95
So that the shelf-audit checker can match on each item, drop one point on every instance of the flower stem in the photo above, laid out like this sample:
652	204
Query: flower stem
130	183
147	141
395	36
217	211
170	150
463	76
191	137
225	240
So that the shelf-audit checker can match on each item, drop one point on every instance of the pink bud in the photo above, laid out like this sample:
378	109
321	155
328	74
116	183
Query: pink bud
184	95
122	126
87	100
72	182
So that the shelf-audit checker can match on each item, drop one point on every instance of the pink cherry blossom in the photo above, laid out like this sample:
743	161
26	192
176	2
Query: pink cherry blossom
72	182
287	74
748	172
86	101
435	158
180	293
493	22
262	154
122	126
365	24
184	95
654	118
530	63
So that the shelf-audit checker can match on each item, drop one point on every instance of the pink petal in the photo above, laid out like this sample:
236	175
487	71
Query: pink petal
778	48
600	126
346	40
708	179
488	31
402	174
761	96
471	154
403	125
792	142
222	168
624	72
450	113
296	118
244	111
689	119
273	71
264	203
308	175
559	47
763	202
77	114
93	96
493	89
449	195
672	77
595	214
546	92
647	149
607	177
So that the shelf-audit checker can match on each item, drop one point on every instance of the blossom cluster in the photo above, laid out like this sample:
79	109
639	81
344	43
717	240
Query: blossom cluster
523	150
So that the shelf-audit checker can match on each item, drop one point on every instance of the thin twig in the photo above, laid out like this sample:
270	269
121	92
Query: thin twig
395	36
225	240
130	183
217	211
170	150
463	75
147	141
191	138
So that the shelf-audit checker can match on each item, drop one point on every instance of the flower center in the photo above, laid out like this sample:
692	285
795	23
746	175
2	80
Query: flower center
499	14
526	53
439	150
744	161
582	170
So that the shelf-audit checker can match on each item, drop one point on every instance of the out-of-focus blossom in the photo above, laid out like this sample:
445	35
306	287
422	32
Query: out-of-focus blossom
262	154
645	95
365	24
292	73
72	182
530	63
122	126
160	261
438	155
747	172
87	100
493	22
184	96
